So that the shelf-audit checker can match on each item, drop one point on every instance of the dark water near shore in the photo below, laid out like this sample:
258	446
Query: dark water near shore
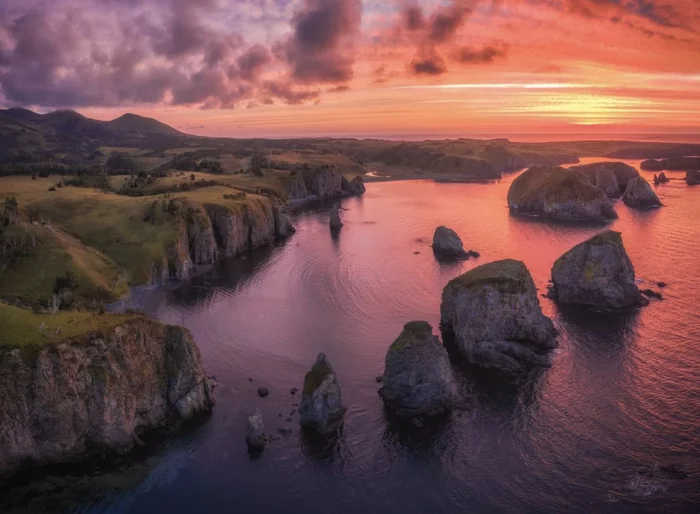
587	435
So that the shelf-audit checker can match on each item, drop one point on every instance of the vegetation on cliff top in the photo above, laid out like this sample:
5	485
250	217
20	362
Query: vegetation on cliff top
507	273
552	185
23	328
412	331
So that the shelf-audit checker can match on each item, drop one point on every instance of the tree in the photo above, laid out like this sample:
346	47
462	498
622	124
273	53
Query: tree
257	163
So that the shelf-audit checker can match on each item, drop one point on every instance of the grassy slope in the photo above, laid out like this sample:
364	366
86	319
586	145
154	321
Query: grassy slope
23	328
51	254
103	237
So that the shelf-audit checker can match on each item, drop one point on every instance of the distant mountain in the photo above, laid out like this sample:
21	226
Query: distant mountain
70	122
136	124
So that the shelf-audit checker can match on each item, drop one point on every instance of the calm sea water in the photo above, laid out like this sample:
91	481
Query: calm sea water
588	435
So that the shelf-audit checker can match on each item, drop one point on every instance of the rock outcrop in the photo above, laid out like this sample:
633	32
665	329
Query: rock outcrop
283	225
448	246
323	182
321	406
64	401
661	178
640	195
596	273
559	193
417	375
602	177
255	430
598	174
356	186
692	178
495	316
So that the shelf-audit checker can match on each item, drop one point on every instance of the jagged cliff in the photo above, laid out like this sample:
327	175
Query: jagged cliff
204	233
96	393
325	182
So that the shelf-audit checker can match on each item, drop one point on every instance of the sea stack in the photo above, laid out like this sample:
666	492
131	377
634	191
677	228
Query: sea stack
448	246
597	273
321	405
417	375
495	316
560	194
640	195
661	178
692	178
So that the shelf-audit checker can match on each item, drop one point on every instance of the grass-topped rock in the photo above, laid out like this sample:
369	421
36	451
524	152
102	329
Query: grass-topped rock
321	405
640	195
597	273
76	383
494	313
558	193
417	375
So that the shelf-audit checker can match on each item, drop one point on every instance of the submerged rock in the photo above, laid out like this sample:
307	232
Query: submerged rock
650	293
597	273
321	405
417	375
495	315
692	178
448	245
335	222
263	392
640	195
558	193
661	179
255	434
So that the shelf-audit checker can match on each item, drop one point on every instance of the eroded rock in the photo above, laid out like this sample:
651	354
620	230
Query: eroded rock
447	244
597	273
640	195
255	433
495	316
417	375
321	406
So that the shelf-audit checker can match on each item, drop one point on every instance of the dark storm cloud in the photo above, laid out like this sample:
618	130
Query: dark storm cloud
78	53
321	48
436	33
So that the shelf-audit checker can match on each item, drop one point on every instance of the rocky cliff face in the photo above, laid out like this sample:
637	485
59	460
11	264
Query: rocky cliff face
206	233
98	394
602	177
322	183
200	234
417	374
597	273
559	193
495	316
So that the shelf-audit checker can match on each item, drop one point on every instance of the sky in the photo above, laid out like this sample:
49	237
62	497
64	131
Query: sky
361	68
